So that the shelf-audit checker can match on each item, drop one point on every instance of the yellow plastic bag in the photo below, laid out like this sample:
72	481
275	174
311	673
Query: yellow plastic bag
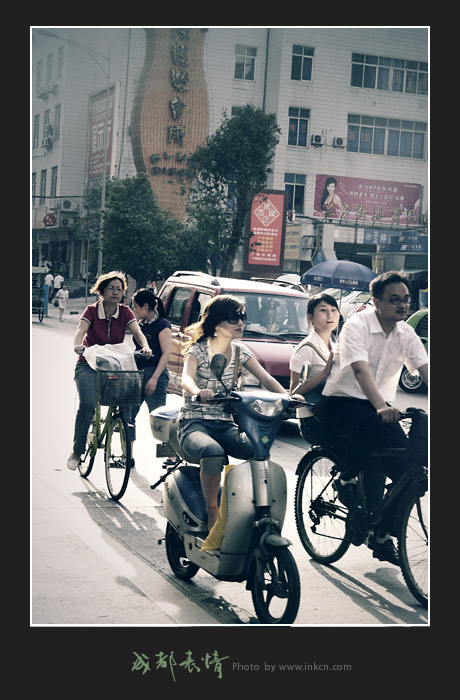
216	533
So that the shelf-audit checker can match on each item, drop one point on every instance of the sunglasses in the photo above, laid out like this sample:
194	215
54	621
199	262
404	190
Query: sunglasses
236	316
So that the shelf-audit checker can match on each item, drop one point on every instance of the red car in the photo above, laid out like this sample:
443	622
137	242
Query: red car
276	319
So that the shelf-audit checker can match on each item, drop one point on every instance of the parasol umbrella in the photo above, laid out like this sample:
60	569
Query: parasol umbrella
340	274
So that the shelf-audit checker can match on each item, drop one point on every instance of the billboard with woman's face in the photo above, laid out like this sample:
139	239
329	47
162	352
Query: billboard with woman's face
358	200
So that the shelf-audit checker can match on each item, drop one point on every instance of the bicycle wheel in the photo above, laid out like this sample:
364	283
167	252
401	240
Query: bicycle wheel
413	545
175	553
320	516
87	459
276	594
117	455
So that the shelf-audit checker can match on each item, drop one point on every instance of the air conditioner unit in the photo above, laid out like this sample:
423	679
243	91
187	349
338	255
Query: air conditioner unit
48	129
54	204
42	93
69	205
317	140
47	142
66	221
338	142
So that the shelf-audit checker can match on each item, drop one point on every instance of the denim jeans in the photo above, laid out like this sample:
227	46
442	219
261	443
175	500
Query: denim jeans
85	379
210	442
155	400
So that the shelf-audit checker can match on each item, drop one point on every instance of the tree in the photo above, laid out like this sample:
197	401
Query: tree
139	237
227	173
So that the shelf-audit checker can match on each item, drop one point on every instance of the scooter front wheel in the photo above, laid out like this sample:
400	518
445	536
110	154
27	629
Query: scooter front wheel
276	589
175	553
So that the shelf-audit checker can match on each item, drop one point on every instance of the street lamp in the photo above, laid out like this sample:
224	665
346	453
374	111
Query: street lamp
95	55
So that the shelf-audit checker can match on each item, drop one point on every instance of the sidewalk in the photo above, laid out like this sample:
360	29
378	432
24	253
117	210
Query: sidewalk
76	306
76	544
74	310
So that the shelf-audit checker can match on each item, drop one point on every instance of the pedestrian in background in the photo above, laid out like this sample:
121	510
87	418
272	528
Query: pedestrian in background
62	297
58	280
49	284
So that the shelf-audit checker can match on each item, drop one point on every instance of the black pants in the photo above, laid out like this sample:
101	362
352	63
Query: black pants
364	431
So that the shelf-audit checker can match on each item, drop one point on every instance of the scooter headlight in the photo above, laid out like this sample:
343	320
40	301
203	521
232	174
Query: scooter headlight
268	408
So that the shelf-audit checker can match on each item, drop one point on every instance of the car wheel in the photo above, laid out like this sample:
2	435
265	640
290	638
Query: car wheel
411	383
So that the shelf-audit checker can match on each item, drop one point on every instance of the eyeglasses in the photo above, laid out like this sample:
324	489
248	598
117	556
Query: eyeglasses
397	300
114	289
236	316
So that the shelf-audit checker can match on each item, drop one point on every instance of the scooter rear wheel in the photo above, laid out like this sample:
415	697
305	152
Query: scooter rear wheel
175	553
276	596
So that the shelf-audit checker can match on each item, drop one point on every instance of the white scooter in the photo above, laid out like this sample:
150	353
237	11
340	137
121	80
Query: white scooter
254	497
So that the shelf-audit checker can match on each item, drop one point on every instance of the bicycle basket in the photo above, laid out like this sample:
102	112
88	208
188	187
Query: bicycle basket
418	437
119	388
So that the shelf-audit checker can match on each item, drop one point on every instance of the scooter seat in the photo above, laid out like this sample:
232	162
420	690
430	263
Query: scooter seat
189	486
166	412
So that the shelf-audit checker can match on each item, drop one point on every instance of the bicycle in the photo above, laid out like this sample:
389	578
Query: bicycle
327	528
115	389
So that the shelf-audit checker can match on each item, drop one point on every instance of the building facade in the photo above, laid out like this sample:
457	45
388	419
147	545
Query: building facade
352	105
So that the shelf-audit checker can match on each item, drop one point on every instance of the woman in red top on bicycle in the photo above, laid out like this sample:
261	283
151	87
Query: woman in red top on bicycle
104	322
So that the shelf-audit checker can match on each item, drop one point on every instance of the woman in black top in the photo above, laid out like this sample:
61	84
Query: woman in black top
155	326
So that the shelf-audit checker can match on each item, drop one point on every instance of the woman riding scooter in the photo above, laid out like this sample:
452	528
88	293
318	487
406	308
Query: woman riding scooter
206	432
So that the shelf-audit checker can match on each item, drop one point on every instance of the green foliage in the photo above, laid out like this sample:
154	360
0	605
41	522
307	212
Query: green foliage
235	161
139	237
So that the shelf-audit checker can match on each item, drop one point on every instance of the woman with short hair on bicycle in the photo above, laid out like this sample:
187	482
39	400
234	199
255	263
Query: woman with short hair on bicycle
206	432
317	349
102	323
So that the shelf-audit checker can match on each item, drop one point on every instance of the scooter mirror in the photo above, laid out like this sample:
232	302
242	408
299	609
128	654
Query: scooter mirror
303	377
304	372
218	363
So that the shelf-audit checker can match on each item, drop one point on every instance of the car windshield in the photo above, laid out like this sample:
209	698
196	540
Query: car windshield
274	314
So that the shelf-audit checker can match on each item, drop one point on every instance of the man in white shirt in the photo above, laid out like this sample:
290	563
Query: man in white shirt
372	349
58	280
49	283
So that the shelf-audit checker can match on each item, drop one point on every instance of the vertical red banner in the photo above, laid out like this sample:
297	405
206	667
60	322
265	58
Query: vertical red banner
97	134
265	248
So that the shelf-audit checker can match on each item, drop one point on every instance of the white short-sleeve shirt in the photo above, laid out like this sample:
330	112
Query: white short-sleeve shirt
363	339
305	353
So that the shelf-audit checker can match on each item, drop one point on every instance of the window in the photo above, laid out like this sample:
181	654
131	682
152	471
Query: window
298	126
294	184
177	306
60	62
42	187
49	68
38	76
245	62
302	62
36	131
57	122
382	136
391	74
46	120
198	304
54	175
